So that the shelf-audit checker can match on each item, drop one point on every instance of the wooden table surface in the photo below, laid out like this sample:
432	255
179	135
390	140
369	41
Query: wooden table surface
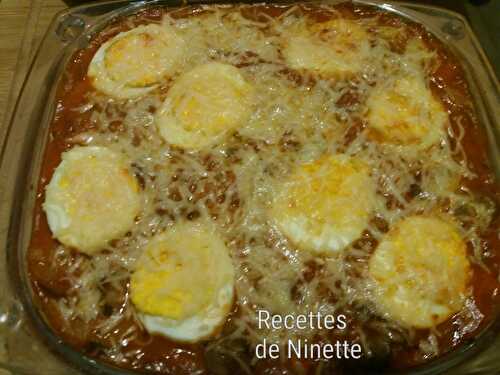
22	25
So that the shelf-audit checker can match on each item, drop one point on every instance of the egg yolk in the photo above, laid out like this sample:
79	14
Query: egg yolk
337	47
204	104
326	204
91	199
421	271
404	112
180	273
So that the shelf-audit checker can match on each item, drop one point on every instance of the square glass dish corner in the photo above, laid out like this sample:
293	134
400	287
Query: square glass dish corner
27	345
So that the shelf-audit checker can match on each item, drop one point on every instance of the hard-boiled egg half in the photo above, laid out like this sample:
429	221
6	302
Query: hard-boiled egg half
421	271
134	62
325	205
182	285
403	111
338	47
204	105
91	199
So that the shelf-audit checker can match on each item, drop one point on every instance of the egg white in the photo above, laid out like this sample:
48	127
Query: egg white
183	283
421	271
325	205
204	105
334	48
402	111
133	62
91	199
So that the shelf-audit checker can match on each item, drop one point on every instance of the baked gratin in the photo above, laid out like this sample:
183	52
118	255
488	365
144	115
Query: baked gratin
206	163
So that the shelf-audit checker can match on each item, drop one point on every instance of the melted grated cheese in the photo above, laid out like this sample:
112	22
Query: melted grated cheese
298	118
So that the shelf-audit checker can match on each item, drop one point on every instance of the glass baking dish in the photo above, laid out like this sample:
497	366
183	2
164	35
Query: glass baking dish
27	344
